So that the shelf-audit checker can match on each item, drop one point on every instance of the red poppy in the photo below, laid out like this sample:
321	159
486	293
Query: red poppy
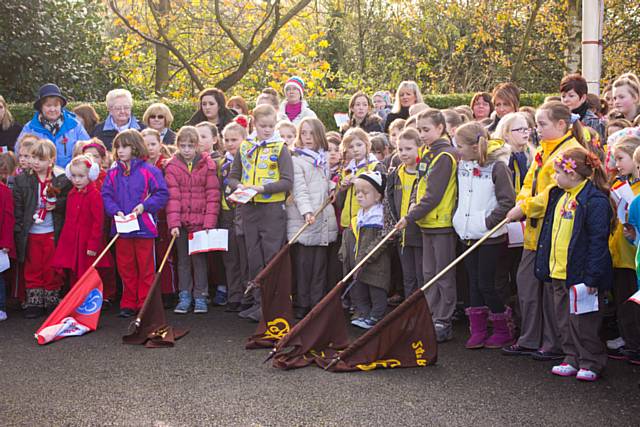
476	172
539	159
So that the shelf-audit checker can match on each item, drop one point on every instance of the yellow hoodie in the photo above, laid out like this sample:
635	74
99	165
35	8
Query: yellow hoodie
534	206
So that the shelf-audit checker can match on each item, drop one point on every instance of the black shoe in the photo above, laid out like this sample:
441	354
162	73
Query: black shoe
545	356
233	307
106	304
243	307
516	350
617	353
632	356
33	312
126	313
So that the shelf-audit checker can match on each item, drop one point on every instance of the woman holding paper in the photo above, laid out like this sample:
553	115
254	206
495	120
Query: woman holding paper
573	255
194	203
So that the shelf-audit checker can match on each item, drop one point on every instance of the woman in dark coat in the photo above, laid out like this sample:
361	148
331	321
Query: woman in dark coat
158	116
212	107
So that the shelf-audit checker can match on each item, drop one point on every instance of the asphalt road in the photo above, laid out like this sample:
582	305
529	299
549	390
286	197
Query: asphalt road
209	379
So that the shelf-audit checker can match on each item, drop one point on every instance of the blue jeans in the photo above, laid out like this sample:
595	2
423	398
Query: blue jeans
3	293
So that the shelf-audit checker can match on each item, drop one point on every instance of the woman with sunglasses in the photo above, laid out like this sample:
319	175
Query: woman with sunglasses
159	117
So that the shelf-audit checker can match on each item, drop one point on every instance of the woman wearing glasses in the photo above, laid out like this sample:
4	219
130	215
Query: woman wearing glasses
159	117
119	103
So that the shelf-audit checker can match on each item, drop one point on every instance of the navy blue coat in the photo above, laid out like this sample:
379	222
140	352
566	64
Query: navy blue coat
588	259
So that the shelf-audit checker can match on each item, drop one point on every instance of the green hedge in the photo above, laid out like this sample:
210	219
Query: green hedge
323	107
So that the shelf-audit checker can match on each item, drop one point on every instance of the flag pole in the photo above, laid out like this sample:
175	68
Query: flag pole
433	280
371	252
105	250
295	237
136	323
465	253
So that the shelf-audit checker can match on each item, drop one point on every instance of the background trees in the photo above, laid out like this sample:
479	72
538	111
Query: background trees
173	48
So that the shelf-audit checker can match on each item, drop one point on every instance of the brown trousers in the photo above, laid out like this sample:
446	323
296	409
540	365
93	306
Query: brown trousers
580	338
438	251
235	260
310	267
538	328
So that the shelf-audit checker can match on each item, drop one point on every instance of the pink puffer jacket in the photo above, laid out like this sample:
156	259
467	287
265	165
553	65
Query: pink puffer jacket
194	198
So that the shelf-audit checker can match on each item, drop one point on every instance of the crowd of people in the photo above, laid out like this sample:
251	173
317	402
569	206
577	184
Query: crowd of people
560	172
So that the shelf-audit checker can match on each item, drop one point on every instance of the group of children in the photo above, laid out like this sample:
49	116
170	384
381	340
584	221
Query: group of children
440	182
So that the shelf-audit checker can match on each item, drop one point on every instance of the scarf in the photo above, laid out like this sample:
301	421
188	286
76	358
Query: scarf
354	168
293	110
41	213
373	218
260	144
54	126
319	158
581	110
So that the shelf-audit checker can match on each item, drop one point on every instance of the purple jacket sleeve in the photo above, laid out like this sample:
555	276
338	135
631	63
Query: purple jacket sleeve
158	192
111	206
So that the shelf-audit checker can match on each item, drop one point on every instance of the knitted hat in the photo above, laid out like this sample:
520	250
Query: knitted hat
296	82
46	91
375	178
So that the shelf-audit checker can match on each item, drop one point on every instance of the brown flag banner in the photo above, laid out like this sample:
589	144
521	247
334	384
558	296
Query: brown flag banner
150	326
322	331
404	338
275	285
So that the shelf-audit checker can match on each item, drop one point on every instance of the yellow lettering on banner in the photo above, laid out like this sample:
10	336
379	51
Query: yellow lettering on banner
277	329
389	363
419	350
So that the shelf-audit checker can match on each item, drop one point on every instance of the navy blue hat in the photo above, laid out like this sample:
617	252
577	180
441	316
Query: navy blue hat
48	90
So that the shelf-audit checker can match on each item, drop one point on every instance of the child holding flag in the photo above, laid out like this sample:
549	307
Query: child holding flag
263	164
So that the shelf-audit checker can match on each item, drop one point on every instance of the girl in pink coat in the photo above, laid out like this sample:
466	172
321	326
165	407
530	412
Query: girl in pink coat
82	236
194	202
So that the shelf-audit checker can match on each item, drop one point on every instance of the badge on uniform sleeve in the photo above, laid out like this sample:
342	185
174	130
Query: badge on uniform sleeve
273	166
273	158
262	165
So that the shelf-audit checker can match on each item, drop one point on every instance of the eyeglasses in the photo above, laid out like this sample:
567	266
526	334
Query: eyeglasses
521	130
121	108
157	116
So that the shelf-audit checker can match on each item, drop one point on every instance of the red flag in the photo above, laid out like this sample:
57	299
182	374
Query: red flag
404	338
277	309
78	313
323	329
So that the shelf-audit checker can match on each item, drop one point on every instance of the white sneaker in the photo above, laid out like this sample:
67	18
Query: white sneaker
586	375
615	344
564	370
3	315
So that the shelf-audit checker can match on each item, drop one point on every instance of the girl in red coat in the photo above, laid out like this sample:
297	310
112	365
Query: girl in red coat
194	202
82	236
7	222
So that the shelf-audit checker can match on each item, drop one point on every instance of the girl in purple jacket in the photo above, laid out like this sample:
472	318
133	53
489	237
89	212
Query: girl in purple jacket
134	186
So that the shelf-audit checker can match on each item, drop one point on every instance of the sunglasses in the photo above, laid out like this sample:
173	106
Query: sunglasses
158	116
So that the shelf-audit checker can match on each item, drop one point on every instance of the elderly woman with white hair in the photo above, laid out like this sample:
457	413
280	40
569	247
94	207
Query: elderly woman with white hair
119	104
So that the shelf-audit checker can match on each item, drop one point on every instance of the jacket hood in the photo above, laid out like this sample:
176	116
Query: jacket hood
497	150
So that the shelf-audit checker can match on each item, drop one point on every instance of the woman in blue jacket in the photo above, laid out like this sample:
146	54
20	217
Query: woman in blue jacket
54	122
573	249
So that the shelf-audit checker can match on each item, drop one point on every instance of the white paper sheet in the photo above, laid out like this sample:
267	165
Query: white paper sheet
242	196
635	297
128	224
341	118
4	261
581	301
208	241
515	232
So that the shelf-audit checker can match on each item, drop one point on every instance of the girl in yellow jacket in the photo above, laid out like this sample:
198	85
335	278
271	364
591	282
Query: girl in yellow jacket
558	130
622	250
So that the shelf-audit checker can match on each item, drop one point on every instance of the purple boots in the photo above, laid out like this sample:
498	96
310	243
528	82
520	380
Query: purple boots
502	328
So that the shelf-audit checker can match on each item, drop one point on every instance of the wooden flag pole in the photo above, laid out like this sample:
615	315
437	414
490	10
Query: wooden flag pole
371	252
136	323
465	253
432	281
306	224
105	250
